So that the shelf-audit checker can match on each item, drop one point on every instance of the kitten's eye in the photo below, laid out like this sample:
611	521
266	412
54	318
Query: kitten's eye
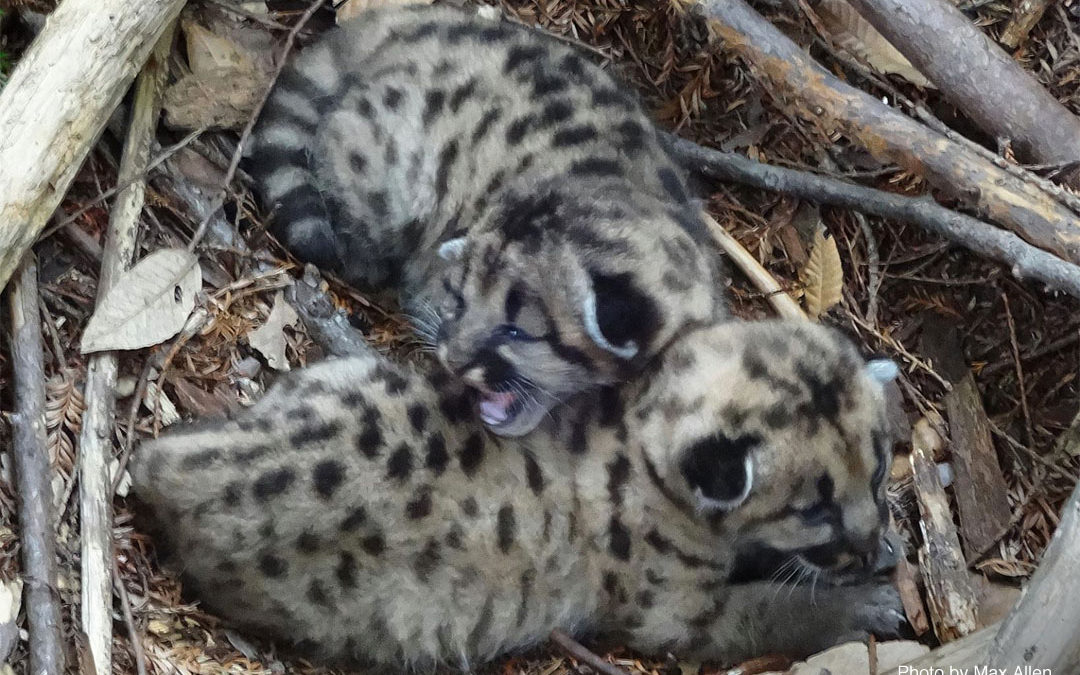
512	332
817	514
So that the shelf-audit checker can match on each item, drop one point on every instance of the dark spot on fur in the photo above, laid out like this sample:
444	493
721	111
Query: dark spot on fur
672	184
317	593
437	456
358	162
346	569
574	136
618	474
233	493
200	460
596	166
517	129
354	520
315	433
613	587
427	560
619	539
456	407
272	483
447	156
554	112
506	528
400	464
462	93
533	474
521	55
778	415
374	544
485	124
392	97
434	100
272	566
307	543
471	454
420	506
417	416
470	507
327	476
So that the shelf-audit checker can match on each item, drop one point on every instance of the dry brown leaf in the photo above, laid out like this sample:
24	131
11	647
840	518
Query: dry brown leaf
206	52
149	303
351	8
226	81
269	339
854	33
823	276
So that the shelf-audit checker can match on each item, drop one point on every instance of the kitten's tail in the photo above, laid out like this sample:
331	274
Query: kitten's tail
280	158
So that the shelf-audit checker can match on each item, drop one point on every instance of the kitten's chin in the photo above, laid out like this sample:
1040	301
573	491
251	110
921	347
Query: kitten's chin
507	414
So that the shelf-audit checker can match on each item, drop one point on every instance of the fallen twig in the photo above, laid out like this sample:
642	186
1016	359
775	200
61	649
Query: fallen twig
129	620
978	77
95	441
576	650
893	137
1025	260
57	101
783	303
1025	15
324	322
949	593
234	163
32	471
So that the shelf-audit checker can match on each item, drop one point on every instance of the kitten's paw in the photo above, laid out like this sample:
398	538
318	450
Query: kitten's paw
877	610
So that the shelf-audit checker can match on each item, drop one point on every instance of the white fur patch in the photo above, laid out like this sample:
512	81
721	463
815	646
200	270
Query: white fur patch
882	371
452	249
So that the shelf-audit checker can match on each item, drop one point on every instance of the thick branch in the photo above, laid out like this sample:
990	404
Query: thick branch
95	451
58	100
1025	260
978	77
36	518
1043	630
892	137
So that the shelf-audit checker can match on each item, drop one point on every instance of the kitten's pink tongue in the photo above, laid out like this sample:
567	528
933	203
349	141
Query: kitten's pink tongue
495	408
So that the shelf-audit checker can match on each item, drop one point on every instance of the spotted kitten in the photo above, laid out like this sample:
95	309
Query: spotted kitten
515	194
360	509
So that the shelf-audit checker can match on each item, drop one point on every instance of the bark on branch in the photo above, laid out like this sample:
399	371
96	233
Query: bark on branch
36	517
1043	630
95	441
58	100
891	136
978	77
1025	260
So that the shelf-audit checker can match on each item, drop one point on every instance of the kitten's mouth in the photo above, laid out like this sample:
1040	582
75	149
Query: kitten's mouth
499	408
509	413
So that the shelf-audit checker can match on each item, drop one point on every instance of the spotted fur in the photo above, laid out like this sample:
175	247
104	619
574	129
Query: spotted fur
514	192
335	513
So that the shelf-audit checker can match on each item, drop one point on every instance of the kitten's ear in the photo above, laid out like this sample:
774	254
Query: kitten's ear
618	317
719	471
452	249
882	371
